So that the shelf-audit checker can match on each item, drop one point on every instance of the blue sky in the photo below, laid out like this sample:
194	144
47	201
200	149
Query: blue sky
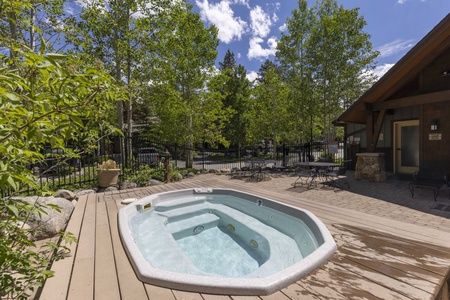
251	28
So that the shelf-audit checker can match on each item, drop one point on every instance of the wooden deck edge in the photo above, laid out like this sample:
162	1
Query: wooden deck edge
56	288
444	292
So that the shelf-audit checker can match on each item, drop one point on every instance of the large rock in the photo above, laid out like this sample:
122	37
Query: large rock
66	194
52	222
107	189
85	192
128	185
155	182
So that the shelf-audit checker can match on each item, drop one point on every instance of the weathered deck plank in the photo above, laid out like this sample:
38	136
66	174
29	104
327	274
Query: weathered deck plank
377	258
156	292
57	287
106	284
182	295
275	296
130	287
82	280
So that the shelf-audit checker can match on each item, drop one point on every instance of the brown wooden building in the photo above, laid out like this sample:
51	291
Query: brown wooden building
406	114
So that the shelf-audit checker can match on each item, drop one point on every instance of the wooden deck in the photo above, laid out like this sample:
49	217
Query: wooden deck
377	257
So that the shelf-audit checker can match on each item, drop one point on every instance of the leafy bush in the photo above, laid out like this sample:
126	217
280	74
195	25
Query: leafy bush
44	100
22	268
145	173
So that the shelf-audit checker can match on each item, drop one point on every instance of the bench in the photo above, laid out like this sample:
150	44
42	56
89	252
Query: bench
422	182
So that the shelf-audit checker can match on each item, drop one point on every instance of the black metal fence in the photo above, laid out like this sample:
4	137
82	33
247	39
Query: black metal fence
61	171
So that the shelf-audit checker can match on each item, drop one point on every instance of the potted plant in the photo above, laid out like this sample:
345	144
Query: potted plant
108	173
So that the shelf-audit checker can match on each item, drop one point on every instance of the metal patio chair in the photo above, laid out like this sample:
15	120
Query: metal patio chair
306	177
336	176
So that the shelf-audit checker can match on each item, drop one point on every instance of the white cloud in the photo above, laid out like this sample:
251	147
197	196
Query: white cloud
275	17
379	71
220	14
283	27
243	2
394	47
260	22
257	52
252	76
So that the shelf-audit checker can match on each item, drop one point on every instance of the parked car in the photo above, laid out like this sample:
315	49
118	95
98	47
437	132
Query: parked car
148	156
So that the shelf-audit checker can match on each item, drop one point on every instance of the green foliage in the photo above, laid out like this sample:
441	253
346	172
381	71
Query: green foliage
45	99
48	100
23	266
141	177
325	57
180	70
270	114
235	90
145	173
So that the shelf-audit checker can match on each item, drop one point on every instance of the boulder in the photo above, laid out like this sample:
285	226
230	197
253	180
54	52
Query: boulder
108	189
154	182
128	185
53	221
85	192
190	175
66	194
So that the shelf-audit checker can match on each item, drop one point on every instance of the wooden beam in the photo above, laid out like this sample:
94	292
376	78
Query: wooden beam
369	128
374	123
378	126
413	100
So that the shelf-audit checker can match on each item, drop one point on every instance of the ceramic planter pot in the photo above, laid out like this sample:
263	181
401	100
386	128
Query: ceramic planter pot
108	177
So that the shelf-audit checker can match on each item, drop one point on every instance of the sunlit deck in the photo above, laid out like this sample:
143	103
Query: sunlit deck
379	256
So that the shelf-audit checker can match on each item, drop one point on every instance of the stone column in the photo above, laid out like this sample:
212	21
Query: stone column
370	167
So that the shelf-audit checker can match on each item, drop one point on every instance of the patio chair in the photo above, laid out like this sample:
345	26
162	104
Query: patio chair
306	177
336	176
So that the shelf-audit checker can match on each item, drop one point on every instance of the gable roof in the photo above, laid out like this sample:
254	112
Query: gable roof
407	69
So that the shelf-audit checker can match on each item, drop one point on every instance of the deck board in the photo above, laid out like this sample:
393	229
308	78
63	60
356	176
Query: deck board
106	284
377	258
156	292
57	287
130	287
215	297
82	280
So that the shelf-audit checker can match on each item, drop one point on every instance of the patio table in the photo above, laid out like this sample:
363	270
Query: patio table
309	171
258	167
320	167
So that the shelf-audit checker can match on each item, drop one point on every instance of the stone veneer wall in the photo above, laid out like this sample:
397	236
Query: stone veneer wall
370	167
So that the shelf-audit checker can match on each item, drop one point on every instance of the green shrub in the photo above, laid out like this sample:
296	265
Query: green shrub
45	100
23	267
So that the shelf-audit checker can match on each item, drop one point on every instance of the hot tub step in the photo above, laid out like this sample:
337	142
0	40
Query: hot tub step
192	225
179	203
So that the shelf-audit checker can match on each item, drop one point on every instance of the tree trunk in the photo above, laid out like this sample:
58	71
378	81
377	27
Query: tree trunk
189	145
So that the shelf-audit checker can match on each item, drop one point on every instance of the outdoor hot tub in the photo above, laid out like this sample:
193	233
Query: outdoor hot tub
222	241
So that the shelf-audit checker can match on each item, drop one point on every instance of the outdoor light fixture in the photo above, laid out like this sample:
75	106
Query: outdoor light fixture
434	125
